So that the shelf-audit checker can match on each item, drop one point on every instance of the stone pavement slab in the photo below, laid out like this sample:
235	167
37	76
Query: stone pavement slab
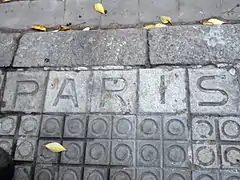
8	47
114	47
194	44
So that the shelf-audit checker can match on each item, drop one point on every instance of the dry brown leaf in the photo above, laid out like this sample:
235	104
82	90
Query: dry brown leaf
99	8
64	28
166	19
39	27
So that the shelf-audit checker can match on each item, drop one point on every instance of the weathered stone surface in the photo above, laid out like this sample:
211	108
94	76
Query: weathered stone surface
204	174
198	10
23	14
120	173
195	44
75	126
149	173
67	91
22	172
6	144
176	174
81	12
70	173
8	46
46	172
114	91
230	9
30	125
229	128
122	12
95	173
162	90
8	125
51	126
112	47
213	90
151	10
230	156
24	91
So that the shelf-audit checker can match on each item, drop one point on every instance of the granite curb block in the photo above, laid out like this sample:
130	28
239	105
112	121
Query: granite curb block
195	44
112	47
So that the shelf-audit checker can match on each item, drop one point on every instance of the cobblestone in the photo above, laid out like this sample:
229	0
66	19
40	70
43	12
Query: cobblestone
189	142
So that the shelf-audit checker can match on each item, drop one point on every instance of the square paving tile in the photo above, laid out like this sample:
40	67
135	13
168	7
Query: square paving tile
75	126
230	155
7	144
95	173
124	127
230	175
67	91
149	127
51	126
122	173
44	155
149	173
22	172
176	174
8	125
70	173
114	91
30	125
74	153
213	90
205	174
229	128
162	90
46	171
24	91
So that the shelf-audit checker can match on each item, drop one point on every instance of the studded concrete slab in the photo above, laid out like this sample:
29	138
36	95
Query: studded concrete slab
123	124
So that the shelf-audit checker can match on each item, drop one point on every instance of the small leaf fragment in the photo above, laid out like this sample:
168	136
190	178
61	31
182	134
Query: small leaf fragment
213	21
166	19
55	147
6	1
64	28
150	26
39	27
99	8
86	29
159	25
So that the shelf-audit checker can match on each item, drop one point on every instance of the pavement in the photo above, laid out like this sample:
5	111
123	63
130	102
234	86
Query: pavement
127	103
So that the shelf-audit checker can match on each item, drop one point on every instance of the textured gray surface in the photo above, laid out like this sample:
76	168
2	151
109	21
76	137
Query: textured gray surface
114	47
8	46
194	44
23	14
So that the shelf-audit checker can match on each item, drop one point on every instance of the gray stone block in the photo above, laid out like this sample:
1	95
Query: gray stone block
149	127
22	172
95	173
74	153
114	91
116	47
229	128
75	126
149	153
151	10
122	12
24	91
213	90
8	46
51	126
81	12
30	125
44	155
203	128
98	152
46	172
195	44
229	175
162	90
99	126
8	125
230	9
6	144
176	174
124	127
175	127
67	91
70	173
198	10
123	153
2	74
230	155
25	149
122	173
149	173
205	156
204	174
32	12
176	154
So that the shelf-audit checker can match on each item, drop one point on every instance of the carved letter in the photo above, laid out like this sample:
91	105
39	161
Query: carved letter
111	85
72	94
22	88
162	89
201	88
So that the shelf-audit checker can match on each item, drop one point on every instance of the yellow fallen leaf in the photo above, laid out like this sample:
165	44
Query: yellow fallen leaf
39	27
99	8
55	147
166	19
213	21
86	29
150	26
6	1
64	28
159	25
57	30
